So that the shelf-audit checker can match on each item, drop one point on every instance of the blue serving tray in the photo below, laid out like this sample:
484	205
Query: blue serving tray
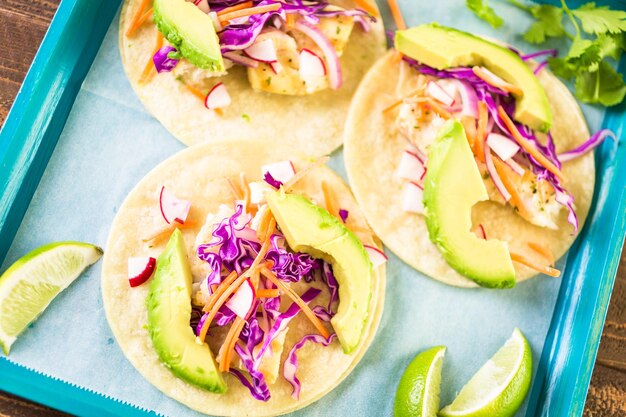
37	119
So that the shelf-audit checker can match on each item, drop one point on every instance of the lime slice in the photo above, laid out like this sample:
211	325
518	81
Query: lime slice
31	283
500	386
418	390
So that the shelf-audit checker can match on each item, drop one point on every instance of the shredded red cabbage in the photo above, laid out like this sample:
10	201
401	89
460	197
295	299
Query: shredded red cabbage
271	181
343	213
162	60
594	141
291	364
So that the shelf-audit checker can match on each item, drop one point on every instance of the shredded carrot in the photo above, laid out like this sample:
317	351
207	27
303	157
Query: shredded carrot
397	15
134	23
431	104
296	298
488	77
264	223
290	21
236	7
236	189
529	147
227	348
481	129
249	11
396	103
329	200
193	90
543	251
368	7
159	236
221	288
267	293
304	171
149	70
469	124
505	172
246	191
515	257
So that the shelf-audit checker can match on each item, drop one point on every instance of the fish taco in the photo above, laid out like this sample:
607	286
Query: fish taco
241	280
226	69
478	163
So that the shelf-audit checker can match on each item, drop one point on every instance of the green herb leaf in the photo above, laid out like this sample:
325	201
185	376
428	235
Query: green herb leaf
599	20
604	86
612	45
549	24
562	68
482	10
584	54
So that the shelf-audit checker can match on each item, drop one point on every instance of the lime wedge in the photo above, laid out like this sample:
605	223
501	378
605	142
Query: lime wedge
500	386
31	283
418	390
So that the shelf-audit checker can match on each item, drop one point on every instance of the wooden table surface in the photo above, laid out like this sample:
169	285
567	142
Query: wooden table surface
23	24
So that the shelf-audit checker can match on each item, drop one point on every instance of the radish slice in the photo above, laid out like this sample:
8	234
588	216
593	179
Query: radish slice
497	181
469	99
311	65
480	232
140	270
241	59
281	171
172	207
411	167
330	54
241	301
276	67
438	93
504	147
203	5
263	51
413	197
377	256
217	98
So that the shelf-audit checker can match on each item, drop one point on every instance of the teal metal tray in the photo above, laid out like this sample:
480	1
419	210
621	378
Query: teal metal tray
38	117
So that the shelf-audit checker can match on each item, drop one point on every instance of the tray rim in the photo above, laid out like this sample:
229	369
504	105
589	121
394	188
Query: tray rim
46	98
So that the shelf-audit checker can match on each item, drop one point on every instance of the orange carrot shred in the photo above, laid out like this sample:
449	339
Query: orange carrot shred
193	90
469	124
219	291
267	293
329	199
401	100
543	251
235	188
368	7
397	15
529	147
136	17
505	175
431	104
501	84
296	298
515	257
249	11
481	127
227	348
149	69
235	8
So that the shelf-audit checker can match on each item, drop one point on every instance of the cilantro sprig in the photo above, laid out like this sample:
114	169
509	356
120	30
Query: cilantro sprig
599	37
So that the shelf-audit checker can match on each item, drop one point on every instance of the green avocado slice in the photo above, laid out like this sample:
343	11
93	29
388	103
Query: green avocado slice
310	229
453	185
441	48
169	312
191	31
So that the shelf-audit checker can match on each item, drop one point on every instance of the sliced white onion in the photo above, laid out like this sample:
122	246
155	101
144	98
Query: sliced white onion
217	98
311	65
469	99
276	67
494	175
172	207
140	269
504	147
281	171
437	92
330	54
203	5
241	301
517	168
412	199
377	256
263	51
411	167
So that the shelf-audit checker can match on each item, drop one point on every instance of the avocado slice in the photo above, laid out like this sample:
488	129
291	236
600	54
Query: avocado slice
169	312
441	47
191	31
310	229
452	185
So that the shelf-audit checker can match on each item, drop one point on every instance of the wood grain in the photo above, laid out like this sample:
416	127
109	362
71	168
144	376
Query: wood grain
23	24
